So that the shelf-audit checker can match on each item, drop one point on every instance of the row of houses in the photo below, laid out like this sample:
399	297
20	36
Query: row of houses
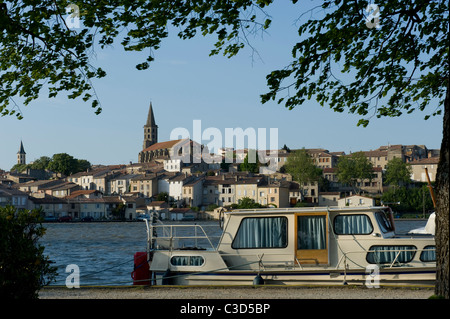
92	204
102	190
80	204
418	157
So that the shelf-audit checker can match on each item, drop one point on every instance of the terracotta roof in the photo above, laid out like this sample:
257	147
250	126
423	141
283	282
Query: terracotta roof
156	203
232	179
67	185
82	192
332	170
429	160
161	145
375	153
47	199
329	193
6	191
193	181
161	203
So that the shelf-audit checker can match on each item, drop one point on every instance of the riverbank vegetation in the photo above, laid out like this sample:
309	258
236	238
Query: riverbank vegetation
24	269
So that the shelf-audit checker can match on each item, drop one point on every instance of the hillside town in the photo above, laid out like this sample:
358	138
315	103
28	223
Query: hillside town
180	189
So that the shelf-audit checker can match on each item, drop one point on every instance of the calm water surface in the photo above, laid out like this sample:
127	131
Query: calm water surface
104	252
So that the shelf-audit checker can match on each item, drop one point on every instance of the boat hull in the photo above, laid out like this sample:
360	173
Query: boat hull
394	277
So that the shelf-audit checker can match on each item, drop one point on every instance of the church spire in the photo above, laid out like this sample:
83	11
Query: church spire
150	129
150	117
21	149
21	155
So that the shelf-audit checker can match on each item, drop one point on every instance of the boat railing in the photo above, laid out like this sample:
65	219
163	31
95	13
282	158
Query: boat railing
169	236
284	260
346	256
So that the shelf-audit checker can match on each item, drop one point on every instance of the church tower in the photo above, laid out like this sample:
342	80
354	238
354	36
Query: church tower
150	129
21	159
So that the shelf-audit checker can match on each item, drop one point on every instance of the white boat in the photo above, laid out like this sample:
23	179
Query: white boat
429	228
293	246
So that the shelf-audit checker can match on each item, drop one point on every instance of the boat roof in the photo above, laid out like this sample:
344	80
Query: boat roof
294	210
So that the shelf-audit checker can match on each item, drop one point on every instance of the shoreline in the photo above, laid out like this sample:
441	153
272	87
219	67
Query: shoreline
236	292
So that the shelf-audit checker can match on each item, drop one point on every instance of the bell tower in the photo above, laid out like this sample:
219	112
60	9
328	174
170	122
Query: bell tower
21	155
150	129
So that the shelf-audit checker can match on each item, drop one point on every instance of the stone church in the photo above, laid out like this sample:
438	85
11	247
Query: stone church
154	150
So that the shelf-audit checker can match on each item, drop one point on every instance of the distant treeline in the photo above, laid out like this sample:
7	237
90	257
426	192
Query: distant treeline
408	199
59	163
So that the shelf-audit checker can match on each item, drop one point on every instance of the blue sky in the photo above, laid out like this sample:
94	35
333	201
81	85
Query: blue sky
185	84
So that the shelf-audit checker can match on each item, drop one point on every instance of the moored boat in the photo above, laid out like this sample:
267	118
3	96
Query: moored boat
292	246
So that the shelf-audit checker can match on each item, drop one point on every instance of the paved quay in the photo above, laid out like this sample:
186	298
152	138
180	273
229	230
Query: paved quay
262	292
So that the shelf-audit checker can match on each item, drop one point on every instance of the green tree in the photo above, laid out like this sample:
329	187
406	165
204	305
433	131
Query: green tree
211	207
412	200
387	71
83	165
118	212
353	170
41	163
163	196
398	173
251	166
302	167
23	267
63	163
247	203
19	167
60	163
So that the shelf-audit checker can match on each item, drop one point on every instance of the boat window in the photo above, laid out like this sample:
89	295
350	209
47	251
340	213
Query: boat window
383	222
385	254
311	232
352	225
187	261
428	254
261	232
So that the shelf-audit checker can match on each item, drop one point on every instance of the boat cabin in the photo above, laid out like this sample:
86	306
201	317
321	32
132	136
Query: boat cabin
285	244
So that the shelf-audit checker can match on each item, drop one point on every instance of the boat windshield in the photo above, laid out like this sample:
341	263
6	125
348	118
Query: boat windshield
384	222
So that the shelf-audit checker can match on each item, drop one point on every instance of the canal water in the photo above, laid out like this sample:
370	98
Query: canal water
104	251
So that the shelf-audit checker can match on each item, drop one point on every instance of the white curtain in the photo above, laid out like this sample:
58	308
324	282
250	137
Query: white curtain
311	232
428	254
387	254
187	260
352	225
261	232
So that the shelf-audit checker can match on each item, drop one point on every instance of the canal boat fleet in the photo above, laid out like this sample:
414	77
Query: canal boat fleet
292	246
